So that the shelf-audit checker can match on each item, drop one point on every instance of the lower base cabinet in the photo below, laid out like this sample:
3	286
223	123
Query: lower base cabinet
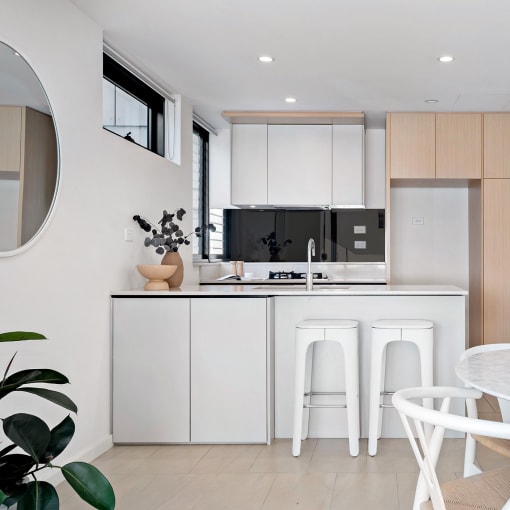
190	370
228	364
151	370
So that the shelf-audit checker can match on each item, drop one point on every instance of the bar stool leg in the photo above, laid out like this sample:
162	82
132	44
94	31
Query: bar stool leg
302	346
308	388
350	348
376	360
424	341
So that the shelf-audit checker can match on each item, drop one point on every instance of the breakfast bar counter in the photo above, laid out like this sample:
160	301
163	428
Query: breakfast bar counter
219	359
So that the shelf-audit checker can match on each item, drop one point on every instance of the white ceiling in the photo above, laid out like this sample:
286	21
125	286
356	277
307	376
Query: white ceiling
344	55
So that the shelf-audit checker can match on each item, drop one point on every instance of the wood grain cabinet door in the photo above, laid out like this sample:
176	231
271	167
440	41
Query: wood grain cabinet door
458	145
496	249
10	138
496	145
412	145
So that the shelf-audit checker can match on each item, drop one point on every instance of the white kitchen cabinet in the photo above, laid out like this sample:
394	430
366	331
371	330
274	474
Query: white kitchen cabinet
348	186
299	159
151	370
249	164
228	370
298	165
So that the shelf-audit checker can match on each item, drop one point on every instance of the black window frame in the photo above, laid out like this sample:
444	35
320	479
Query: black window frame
155	102
203	212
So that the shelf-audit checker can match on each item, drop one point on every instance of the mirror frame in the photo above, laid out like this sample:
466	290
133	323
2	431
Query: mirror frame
51	210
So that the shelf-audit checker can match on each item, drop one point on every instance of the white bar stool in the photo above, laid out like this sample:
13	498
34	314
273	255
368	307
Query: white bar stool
345	333
420	333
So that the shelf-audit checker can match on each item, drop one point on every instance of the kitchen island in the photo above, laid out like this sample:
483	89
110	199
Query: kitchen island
218	361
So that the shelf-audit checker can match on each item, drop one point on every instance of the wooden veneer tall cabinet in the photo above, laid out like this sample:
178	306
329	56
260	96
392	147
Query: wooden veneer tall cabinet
472	150
496	228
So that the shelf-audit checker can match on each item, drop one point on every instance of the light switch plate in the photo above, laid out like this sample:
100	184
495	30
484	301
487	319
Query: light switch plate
360	229
418	220
360	245
128	235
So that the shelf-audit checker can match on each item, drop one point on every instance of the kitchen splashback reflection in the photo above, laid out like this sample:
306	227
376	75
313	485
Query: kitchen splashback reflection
282	235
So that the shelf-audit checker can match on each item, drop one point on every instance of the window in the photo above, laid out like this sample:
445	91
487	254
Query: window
211	245
200	188
131	108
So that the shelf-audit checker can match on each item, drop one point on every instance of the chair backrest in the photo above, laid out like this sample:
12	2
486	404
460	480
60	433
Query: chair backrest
426	448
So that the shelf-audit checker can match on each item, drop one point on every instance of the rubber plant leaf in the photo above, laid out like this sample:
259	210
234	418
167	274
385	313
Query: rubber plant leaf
31	376
17	336
53	396
29	432
13	469
6	450
61	435
90	484
39	496
3	497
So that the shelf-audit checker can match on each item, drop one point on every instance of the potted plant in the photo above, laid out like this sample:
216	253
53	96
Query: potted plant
274	246
19	486
167	237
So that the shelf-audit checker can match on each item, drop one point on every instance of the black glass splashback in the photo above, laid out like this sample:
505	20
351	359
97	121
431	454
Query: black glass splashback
278	235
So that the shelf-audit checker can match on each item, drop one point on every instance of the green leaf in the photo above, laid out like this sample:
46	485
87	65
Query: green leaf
61	435
31	376
3	497
6	450
13	468
39	496
53	396
90	484
16	336
29	432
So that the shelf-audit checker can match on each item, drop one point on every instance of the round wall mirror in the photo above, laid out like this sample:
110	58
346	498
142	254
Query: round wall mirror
29	162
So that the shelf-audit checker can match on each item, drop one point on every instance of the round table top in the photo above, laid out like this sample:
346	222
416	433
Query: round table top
487	371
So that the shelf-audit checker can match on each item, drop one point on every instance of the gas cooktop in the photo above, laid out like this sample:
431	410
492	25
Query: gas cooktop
291	275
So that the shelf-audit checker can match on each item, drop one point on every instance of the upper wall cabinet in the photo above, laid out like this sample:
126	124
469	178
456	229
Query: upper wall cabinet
411	139
249	164
458	145
435	145
306	160
299	160
496	145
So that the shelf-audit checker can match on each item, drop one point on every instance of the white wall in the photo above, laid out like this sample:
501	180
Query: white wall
437	251
61	285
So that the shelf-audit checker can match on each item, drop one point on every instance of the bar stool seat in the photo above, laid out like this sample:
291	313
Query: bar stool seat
345	334
385	331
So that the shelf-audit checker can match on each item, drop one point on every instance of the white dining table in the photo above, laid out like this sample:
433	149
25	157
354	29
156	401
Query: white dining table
489	372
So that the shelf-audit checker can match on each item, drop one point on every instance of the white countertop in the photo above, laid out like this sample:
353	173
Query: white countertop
299	290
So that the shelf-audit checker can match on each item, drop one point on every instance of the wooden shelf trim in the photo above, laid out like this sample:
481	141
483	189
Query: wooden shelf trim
300	117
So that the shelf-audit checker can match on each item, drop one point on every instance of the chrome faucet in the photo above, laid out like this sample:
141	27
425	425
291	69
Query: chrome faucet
309	274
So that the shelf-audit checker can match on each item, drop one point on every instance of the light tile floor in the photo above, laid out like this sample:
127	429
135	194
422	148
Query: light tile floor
260	477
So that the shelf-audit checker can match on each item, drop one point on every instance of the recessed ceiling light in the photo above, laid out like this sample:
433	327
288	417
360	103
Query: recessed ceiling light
290	99
432	100
446	58
266	58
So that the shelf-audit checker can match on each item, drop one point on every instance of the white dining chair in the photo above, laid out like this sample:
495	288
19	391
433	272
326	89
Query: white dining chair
498	445
489	490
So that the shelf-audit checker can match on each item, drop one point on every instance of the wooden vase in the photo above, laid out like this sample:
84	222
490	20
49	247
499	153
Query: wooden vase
173	258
